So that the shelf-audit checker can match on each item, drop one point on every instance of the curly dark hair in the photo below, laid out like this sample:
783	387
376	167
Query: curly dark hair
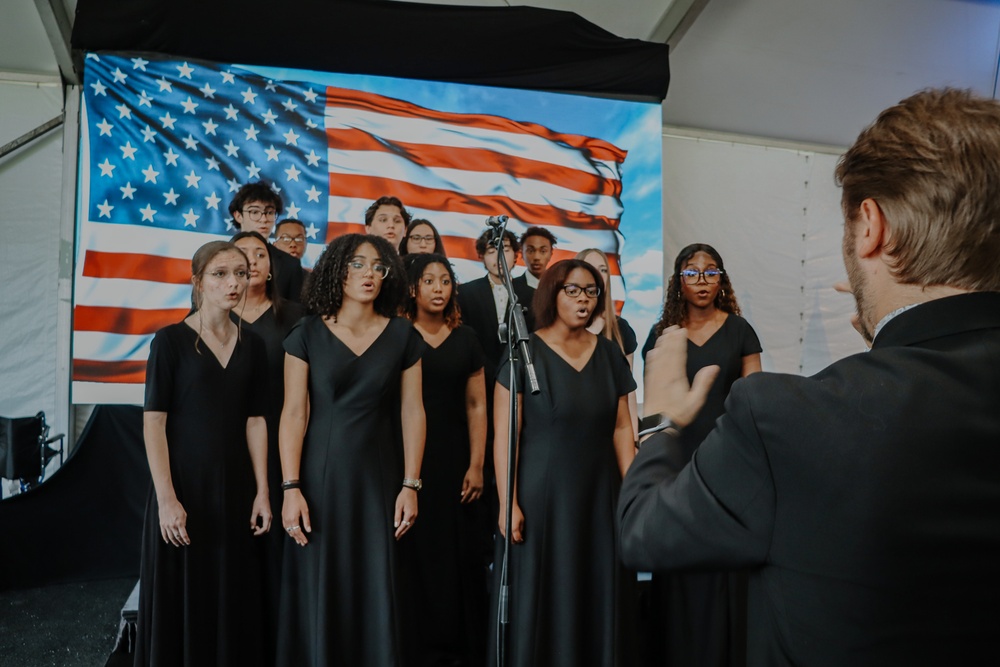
416	222
323	293
540	232
416	264
261	191
674	305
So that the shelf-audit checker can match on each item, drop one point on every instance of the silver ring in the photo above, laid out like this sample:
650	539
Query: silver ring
406	523
289	529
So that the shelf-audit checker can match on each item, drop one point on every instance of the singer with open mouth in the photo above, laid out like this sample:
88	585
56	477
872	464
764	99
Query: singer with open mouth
569	595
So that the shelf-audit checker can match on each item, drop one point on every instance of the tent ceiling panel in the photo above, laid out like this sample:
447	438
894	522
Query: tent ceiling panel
820	71
24	46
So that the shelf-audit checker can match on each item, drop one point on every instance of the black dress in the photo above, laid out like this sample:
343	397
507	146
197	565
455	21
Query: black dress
701	618
340	593
629	341
569	594
272	331
200	604
289	275
448	577
445	564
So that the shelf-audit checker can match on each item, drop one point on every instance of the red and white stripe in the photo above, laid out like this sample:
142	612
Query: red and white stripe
458	169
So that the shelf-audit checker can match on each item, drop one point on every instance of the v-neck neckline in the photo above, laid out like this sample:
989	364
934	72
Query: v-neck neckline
351	349
199	337
714	334
439	345
567	361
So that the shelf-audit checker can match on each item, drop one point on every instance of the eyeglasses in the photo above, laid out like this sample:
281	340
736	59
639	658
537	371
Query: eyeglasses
359	268
573	290
692	276
422	239
285	238
255	214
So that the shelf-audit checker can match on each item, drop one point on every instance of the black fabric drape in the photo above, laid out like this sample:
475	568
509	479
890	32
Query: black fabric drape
512	47
85	521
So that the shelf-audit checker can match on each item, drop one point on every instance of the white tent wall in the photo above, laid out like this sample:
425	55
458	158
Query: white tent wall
31	180
773	213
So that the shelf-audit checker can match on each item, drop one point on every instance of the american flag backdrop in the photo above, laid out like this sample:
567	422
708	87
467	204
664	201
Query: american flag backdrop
165	144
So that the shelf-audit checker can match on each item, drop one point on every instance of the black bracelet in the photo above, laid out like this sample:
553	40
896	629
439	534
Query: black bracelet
290	484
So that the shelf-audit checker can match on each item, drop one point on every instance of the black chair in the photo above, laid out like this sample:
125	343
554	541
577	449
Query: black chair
26	449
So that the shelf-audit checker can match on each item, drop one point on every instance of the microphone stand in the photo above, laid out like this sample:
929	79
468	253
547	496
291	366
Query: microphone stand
515	334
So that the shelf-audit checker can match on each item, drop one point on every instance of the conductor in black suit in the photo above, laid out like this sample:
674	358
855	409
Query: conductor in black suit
866	497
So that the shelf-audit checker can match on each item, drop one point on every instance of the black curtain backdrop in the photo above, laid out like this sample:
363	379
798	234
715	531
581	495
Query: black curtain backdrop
84	522
512	47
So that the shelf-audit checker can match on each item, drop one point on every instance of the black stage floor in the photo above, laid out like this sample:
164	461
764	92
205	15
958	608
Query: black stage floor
69	625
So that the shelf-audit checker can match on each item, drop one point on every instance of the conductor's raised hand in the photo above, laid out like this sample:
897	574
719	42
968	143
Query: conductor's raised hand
666	383
295	517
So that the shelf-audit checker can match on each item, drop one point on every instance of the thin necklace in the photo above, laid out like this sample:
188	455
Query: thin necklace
222	343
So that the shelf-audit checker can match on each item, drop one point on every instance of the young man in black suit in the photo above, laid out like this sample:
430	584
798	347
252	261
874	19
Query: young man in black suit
536	253
255	208
484	303
866	498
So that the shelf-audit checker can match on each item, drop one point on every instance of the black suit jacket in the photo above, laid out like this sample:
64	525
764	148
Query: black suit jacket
288	274
475	298
525	296
867	497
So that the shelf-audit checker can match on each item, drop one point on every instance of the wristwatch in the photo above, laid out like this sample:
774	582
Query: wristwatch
655	423
415	484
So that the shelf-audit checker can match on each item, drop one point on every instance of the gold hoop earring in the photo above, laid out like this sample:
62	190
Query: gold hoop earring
269	276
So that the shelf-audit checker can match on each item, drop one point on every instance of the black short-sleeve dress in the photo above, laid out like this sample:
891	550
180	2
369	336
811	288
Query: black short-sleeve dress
340	593
200	604
447	574
272	329
700	618
629	341
569	592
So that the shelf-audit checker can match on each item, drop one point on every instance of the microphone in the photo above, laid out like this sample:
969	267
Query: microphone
496	221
